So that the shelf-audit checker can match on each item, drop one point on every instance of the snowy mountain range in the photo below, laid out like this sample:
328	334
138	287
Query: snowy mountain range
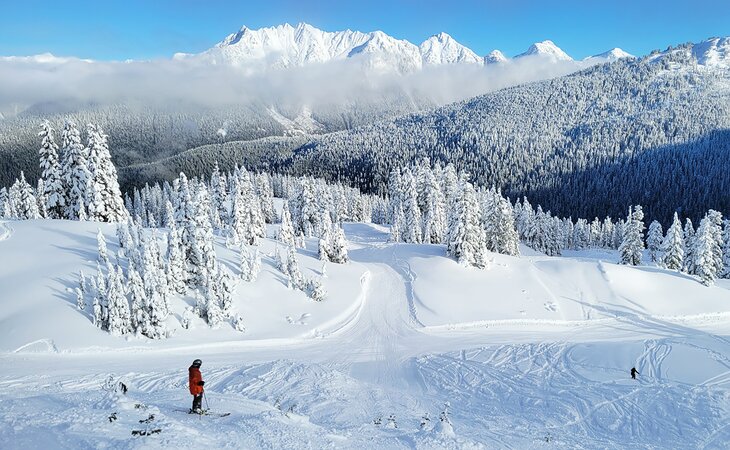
286	46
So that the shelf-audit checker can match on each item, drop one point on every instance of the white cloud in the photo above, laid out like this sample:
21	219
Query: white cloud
45	79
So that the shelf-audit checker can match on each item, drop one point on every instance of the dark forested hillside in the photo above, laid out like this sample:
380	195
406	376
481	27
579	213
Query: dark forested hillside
650	132
140	134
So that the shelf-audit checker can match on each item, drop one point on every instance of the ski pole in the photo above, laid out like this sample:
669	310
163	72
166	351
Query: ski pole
205	397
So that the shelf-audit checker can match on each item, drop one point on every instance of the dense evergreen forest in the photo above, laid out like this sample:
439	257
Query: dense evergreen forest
650	131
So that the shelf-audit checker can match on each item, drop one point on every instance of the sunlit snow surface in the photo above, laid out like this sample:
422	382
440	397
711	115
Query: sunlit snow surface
532	353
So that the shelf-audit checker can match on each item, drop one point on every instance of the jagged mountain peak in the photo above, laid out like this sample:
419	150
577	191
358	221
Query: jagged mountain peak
611	55
441	48
495	56
546	48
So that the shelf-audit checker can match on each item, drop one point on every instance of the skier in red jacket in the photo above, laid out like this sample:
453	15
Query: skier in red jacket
196	386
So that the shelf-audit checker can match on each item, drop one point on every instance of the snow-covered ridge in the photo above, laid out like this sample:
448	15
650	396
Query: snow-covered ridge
285	46
713	52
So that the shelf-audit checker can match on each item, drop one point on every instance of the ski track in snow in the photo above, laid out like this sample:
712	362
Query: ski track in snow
527	383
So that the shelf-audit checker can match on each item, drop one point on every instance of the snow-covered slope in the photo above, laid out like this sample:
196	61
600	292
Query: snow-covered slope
39	300
713	52
38	303
532	353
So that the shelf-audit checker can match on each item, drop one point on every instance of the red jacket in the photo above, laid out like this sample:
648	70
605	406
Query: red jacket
195	377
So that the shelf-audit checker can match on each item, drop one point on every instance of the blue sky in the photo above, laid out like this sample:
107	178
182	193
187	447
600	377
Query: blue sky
137	29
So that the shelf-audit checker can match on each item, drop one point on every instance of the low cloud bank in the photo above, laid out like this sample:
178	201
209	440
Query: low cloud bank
44	79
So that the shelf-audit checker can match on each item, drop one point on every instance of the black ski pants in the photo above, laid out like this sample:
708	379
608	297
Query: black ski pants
197	402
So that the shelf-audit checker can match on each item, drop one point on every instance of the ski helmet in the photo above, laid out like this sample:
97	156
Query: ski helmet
197	363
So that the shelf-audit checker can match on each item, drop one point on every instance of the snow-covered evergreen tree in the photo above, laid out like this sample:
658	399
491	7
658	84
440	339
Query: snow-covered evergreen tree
632	244
304	210
654	240
396	224
176	271
224	287
250	264
338	247
673	246
26	205
186	321
119	315
41	200
411	229
450	185
238	323
99	303
466	239
286	231
219	196
707	248
104	199
499	224
689	236
325	244
265	194
394	197
316	290
725	273
101	244
247	223
431	202
201	262
75	170
139	317
213	313
5	212
53	185
607	233
292	270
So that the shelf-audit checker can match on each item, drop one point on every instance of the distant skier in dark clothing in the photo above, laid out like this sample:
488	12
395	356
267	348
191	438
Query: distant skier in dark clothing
634	372
196	386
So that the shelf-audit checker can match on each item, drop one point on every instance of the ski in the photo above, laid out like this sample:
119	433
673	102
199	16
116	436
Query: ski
204	413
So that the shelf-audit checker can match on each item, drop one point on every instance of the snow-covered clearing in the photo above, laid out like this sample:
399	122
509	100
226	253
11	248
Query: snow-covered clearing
532	353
